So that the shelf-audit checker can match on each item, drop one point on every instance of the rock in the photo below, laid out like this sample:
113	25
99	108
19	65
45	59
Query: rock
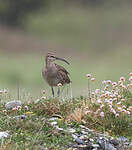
122	139
52	119
53	123
71	130
130	145
3	135
114	142
105	145
91	140
57	116
60	129
20	117
95	145
79	141
12	104
109	146
83	137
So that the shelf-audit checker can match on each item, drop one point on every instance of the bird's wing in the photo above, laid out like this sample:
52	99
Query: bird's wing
62	74
60	68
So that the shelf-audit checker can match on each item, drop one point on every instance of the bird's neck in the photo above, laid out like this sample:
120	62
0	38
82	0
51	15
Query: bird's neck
50	64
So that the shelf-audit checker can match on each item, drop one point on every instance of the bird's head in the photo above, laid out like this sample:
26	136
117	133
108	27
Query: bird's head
50	57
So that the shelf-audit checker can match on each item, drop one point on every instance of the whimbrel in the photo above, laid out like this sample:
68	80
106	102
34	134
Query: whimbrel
55	74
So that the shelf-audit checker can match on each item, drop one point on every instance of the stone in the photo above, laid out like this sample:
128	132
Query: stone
20	117
79	141
114	142
12	104
71	130
95	145
122	139
53	123
60	129
83	137
130	145
91	140
109	146
52	119
105	145
3	135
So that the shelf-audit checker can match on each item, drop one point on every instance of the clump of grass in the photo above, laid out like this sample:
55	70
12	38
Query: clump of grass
107	109
111	107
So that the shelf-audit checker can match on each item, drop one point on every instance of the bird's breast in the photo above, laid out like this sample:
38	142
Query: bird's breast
50	75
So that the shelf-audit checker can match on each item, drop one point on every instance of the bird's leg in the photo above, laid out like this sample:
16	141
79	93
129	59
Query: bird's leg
58	92
52	91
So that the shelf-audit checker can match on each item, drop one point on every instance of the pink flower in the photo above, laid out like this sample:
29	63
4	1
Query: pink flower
88	75
26	107
104	82
19	107
92	79
130	79
109	81
102	114
97	91
4	111
14	109
113	111
114	84
130	73
5	91
128	112
122	79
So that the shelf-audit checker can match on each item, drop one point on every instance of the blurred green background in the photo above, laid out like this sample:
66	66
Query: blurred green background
95	36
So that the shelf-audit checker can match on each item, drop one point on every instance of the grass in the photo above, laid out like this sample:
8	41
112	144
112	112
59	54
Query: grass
108	108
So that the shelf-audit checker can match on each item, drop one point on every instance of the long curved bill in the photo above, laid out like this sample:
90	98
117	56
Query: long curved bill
62	59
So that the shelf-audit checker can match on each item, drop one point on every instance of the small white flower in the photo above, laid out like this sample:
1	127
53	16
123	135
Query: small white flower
43	97
102	106
99	101
1	91
117	115
119	103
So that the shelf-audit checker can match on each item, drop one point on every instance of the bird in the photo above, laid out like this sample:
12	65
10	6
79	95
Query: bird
55	74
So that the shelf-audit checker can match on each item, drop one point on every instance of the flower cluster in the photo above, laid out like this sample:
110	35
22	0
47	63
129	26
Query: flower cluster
4	91
111	96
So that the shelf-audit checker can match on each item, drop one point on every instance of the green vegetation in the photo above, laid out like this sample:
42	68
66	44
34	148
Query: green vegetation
108	110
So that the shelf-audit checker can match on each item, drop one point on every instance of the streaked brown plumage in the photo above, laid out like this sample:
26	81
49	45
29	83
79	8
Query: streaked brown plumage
55	74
